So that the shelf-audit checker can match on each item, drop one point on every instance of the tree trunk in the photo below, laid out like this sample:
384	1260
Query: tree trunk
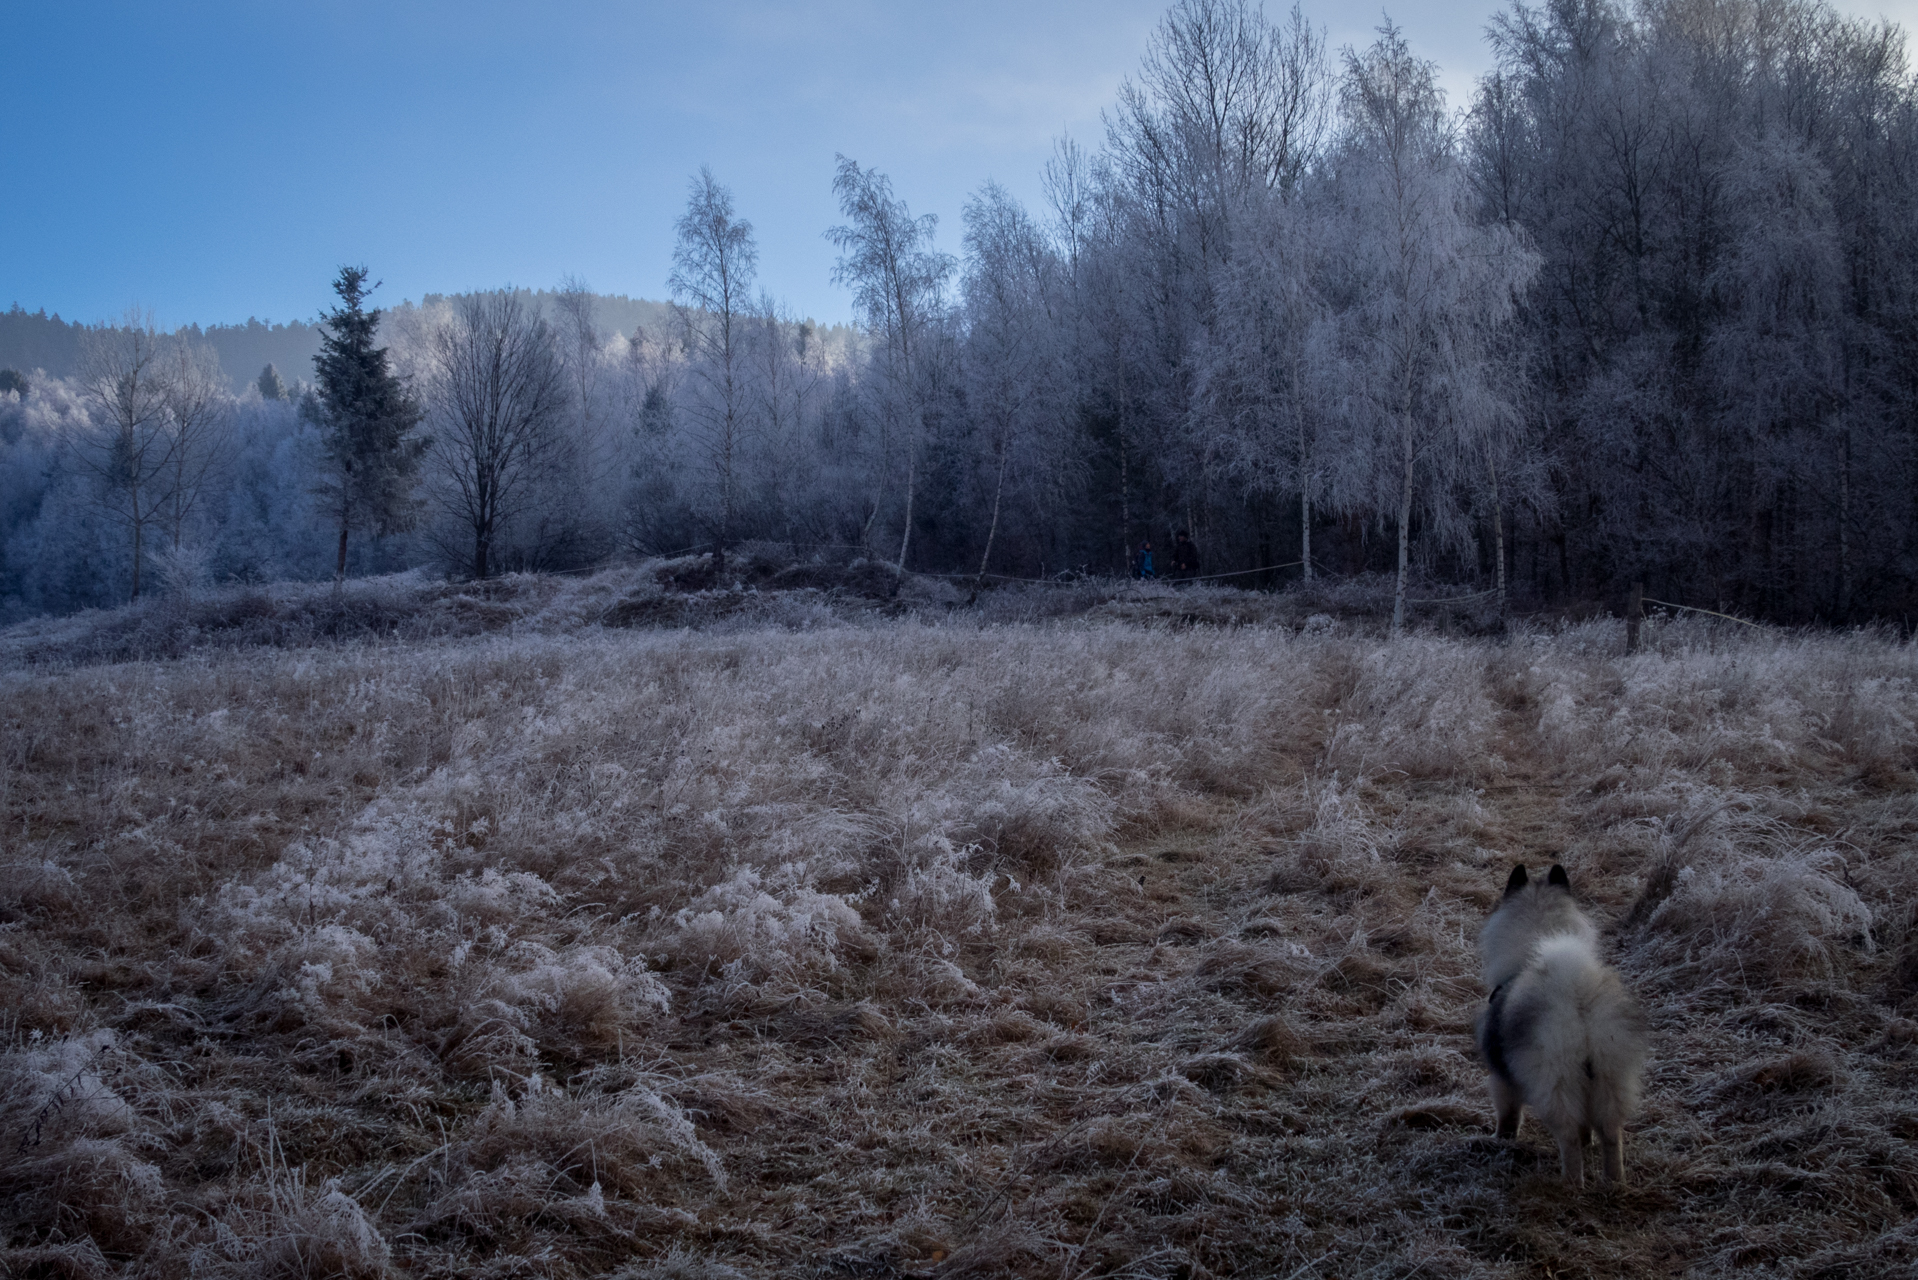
1498	534
1844	527
138	547
912	480
1305	503
1405	540
176	517
1305	534
992	529
339	566
725	482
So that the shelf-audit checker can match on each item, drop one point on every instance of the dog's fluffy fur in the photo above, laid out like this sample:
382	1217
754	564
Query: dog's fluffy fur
1560	1032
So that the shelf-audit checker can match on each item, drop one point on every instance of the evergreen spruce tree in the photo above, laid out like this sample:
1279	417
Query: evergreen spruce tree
366	420
272	385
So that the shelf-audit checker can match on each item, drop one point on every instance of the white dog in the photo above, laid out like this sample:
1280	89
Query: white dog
1560	1033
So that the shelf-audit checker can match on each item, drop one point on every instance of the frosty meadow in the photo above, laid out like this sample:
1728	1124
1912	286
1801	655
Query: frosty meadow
503	940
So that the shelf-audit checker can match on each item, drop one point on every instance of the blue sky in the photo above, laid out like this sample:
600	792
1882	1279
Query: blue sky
212	161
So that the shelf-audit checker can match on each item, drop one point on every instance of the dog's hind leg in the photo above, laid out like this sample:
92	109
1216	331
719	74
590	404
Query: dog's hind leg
1613	1142
1506	1104
1571	1154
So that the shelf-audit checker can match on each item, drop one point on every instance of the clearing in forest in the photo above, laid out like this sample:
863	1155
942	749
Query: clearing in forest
1064	949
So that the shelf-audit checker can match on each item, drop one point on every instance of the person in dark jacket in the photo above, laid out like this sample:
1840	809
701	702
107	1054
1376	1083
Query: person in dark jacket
1142	560
1185	558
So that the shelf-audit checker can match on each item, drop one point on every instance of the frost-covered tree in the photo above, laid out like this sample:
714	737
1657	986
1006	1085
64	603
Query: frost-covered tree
1228	111
788	376
129	447
714	261
268	525
367	418
498	400
1015	300
199	413
579	345
1723	196
1424	295
1271	371
576	522
898	280
1226	103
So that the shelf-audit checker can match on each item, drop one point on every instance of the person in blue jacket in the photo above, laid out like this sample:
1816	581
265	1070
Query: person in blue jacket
1142	560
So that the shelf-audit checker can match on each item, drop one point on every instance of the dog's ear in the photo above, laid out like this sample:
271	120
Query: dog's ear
1517	881
1559	878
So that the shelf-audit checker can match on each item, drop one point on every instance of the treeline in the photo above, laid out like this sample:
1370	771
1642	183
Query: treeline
470	434
35	342
1645	310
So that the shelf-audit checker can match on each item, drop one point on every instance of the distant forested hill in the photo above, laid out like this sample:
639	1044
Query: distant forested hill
32	340
246	349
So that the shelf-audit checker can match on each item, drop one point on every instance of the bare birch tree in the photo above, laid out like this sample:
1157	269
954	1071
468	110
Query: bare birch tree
1427	293
1013	308
713	266
129	448
1227	104
787	373
498	399
898	281
579	343
1269	370
198	412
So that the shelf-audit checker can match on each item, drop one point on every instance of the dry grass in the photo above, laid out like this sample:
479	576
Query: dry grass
763	588
793	947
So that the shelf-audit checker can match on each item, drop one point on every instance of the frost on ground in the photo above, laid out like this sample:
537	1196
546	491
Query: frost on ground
1046	949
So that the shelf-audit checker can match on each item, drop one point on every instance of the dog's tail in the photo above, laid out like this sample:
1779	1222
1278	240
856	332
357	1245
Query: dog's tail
1592	1041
